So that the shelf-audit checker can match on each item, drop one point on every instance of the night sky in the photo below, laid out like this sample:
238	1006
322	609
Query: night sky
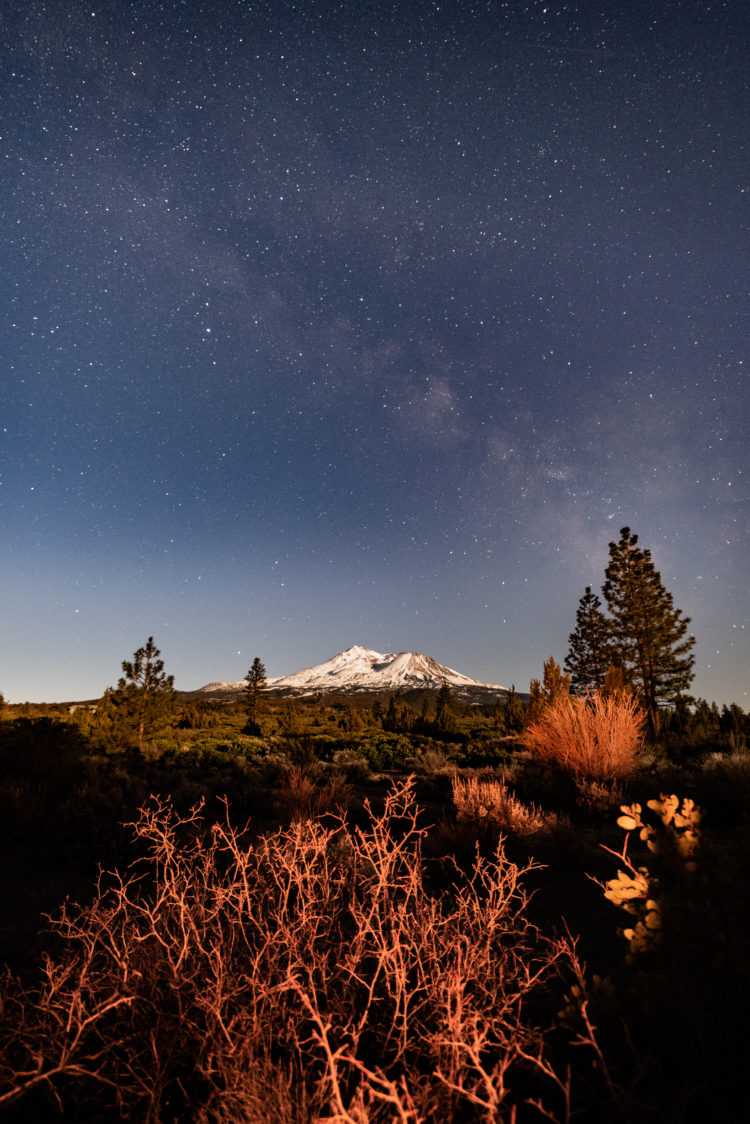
368	323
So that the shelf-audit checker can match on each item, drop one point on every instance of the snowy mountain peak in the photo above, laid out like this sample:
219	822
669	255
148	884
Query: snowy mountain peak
364	670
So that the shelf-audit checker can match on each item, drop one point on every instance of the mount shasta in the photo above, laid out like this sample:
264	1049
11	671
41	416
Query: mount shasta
363	671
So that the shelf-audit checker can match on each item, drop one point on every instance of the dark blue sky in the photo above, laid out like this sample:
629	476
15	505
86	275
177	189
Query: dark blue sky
371	323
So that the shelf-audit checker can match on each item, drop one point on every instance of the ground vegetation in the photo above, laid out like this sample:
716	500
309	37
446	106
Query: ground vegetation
355	923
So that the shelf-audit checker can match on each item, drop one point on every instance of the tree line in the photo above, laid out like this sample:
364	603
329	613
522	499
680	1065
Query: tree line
638	641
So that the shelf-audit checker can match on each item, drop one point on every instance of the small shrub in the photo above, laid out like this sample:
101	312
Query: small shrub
385	751
433	761
726	776
299	750
486	807
596	737
209	749
351	765
597	797
302	798
20	802
479	751
673	834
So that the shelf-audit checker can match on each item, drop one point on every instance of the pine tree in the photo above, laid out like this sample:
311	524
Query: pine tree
399	718
255	684
445	719
649	636
615	682
555	683
351	720
590	652
144	697
535	705
498	716
290	720
514	712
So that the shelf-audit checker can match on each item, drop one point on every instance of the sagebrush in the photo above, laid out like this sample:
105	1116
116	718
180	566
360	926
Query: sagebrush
487	802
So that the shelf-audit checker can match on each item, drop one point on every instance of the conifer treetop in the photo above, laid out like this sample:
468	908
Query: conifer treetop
650	638
146	671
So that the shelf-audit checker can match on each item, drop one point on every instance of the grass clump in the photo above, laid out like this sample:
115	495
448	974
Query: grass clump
596	737
488	802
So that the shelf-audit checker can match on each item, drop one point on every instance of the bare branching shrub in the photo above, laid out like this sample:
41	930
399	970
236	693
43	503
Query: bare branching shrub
310	975
596	737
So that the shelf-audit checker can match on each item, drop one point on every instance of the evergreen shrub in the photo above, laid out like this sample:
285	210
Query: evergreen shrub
385	751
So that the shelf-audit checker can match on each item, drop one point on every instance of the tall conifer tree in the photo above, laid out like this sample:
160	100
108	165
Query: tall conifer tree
555	683
255	685
590	645
514	712
649	636
535	705
145	694
445	719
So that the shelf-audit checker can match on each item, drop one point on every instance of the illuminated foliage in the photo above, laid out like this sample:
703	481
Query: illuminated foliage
594	737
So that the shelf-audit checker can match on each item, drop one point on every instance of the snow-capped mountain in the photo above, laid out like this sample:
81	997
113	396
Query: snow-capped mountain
363	671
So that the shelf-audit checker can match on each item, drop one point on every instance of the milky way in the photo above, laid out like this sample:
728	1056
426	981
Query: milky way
368	324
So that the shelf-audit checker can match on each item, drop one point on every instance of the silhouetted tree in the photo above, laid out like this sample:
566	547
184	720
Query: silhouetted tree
399	717
649	636
731	722
255	685
445	718
514	712
535	705
555	683
590	645
498	716
143	700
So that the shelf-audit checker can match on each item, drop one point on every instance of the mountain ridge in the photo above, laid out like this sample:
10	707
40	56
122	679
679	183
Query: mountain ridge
359	670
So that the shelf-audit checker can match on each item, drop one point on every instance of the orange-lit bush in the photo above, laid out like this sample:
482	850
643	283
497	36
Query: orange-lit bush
597	736
488	802
309	975
300	797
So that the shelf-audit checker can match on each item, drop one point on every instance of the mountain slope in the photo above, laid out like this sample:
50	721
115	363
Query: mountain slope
364	671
